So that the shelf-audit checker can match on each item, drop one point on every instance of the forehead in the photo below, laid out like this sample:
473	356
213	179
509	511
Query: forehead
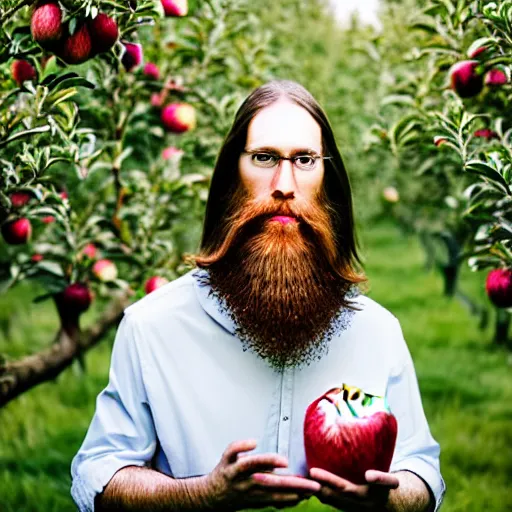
285	126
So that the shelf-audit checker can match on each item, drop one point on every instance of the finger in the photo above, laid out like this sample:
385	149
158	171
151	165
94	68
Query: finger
342	501
339	484
264	496
260	462
381	478
297	483
230	454
328	478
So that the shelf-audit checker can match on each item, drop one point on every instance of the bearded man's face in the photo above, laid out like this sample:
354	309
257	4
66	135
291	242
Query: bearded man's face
276	267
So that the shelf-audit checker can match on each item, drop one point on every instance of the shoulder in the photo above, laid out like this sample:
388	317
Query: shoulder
369	310
378	330
165	299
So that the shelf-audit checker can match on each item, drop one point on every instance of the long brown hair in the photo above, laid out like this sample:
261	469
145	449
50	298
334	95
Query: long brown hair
336	187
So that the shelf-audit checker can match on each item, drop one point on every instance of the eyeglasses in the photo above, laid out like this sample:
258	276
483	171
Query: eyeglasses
269	160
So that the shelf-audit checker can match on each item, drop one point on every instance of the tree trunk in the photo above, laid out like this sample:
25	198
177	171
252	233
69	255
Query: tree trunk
450	279
501	327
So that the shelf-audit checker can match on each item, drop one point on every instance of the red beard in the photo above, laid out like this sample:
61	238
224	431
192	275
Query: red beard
282	284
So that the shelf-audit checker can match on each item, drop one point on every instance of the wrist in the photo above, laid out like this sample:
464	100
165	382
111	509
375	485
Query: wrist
199	493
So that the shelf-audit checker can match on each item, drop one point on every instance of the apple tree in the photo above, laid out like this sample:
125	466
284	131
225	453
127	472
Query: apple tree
448	124
111	114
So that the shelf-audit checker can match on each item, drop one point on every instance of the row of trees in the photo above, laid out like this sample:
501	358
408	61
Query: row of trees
447	124
111	114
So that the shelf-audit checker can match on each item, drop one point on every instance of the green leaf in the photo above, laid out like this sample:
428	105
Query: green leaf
483	169
52	80
482	41
75	81
72	26
25	133
399	99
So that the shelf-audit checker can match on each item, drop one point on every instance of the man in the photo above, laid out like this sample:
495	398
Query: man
211	374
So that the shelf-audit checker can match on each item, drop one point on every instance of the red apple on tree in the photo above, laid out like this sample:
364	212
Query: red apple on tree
496	77
348	432
104	33
133	56
465	79
46	23
498	286
22	70
151	71
178	117
105	270
439	140
89	251
175	7
171	152
486	133
17	232
19	199
76	298
154	282
77	47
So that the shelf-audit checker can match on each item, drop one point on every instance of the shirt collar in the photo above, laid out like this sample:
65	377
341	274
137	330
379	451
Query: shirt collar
210	302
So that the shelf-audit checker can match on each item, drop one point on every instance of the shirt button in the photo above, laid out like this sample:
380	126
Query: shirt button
285	418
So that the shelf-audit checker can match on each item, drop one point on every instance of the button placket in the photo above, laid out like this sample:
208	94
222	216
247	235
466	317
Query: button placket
283	442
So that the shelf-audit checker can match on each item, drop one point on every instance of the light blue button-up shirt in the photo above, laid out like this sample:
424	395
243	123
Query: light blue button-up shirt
181	389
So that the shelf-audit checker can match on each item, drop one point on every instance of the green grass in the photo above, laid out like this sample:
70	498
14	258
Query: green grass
465	384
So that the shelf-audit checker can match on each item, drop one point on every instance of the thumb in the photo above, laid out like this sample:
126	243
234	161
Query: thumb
381	478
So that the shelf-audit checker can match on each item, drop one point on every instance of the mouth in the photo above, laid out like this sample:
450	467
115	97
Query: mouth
284	219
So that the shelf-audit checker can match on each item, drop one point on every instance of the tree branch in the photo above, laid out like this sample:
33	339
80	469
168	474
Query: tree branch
19	376
8	14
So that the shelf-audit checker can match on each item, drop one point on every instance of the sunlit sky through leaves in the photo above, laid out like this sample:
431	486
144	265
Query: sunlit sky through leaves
367	10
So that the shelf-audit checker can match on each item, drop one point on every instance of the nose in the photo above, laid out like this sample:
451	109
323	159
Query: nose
283	184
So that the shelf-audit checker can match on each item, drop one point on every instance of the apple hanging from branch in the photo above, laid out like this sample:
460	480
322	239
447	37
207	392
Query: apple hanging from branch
347	432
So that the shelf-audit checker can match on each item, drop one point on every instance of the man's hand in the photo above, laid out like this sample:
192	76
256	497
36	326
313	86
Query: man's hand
347	496
246	481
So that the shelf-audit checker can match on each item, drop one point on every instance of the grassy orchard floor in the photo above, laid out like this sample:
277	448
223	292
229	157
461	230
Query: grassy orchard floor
466	387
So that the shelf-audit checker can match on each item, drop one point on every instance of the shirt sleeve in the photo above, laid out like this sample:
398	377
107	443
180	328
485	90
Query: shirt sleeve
416	450
122	432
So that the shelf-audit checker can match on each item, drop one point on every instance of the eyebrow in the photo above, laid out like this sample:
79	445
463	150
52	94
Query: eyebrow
297	151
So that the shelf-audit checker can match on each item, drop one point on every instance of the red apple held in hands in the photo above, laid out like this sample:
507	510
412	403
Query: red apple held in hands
175	7
465	80
76	297
17	232
46	23
178	117
348	432
153	283
105	270
78	47
22	70
104	33
498	286
133	56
